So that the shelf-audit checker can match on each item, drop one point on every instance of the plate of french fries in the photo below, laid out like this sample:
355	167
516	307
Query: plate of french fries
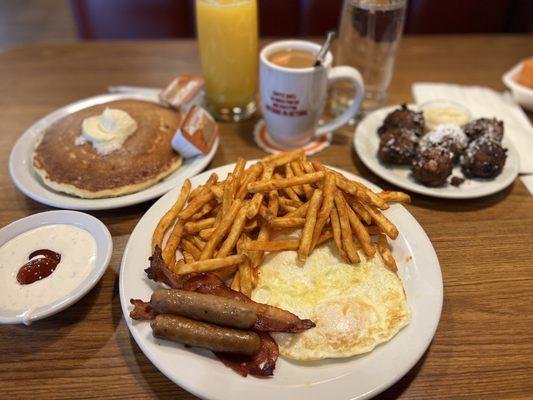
225	221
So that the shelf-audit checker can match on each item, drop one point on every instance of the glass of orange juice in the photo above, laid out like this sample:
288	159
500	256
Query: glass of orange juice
227	33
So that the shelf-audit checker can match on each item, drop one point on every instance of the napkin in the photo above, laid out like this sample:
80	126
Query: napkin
485	102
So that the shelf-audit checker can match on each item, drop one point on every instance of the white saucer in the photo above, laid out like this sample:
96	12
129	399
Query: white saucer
366	143
24	177
265	141
104	249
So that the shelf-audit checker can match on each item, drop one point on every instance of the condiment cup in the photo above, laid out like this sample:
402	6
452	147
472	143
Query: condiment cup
521	94
104	249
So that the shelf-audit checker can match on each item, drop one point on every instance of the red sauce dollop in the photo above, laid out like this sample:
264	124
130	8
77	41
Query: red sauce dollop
39	268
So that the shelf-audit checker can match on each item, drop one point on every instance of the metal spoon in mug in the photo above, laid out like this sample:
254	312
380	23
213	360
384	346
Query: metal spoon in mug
324	49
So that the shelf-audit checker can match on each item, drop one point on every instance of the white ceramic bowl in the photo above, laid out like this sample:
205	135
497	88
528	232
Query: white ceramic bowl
104	249
522	94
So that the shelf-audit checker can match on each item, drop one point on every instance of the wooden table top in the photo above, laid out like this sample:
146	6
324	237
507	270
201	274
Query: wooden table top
483	347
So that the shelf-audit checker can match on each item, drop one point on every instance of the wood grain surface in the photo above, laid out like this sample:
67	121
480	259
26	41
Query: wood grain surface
484	344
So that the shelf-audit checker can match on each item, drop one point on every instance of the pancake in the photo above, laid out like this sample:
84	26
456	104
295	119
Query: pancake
145	158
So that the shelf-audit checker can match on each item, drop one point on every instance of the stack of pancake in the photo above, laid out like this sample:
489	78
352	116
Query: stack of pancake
77	169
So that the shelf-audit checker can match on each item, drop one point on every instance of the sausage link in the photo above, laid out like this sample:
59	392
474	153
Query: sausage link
201	334
204	307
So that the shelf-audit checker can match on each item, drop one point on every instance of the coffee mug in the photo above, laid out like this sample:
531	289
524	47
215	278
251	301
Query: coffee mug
293	99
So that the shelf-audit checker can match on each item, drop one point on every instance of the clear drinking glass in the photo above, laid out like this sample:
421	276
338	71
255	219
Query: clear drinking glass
228	36
369	35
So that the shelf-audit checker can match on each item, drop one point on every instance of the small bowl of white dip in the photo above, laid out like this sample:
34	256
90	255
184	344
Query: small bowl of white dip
48	261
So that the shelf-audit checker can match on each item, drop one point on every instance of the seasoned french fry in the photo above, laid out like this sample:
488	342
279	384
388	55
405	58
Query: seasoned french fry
170	215
205	234
173	241
237	174
346	232
299	190
384	224
326	235
191	248
263	212
290	202
273	245
359	209
361	233
175	266
213	178
221	230
279	159
273	204
309	227
398	197
239	169
236	282
337	235
298	172
245	270
198	242
386	254
197	226
272	184
257	199
299	212
307	166
317	165
251	175
245	277
289	191
250	226
188	257
373	230
264	233
211	264
234	233
218	190
325	209
195	205
286	222
287	209
206	210
374	198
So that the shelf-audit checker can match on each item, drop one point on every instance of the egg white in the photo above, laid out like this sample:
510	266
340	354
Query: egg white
355	307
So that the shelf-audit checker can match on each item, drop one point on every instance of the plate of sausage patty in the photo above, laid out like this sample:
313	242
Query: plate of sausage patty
392	143
357	377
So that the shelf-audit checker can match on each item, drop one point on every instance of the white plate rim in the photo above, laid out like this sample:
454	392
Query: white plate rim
373	164
27	182
76	218
422	248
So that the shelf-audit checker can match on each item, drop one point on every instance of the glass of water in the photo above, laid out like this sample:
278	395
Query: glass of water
369	35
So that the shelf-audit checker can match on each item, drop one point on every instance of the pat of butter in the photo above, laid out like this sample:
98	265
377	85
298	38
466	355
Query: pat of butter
446	115
196	134
108	131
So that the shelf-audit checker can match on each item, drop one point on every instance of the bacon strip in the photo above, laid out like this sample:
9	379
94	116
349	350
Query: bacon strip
261	364
142	310
159	272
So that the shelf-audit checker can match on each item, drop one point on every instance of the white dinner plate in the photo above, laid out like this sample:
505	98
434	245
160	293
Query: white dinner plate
366	143
29	183
104	249
360	377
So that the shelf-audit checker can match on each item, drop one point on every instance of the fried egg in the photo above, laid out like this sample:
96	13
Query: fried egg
355	307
